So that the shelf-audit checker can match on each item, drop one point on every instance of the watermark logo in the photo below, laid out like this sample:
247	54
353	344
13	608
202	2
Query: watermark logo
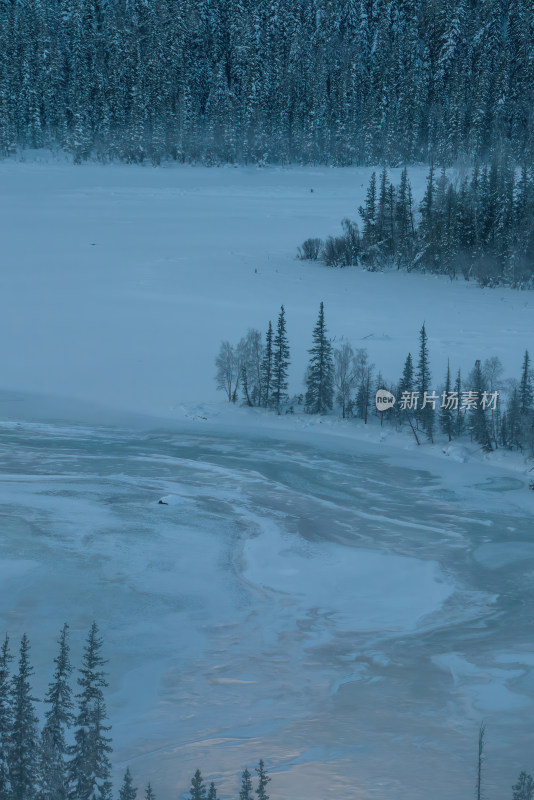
451	401
384	400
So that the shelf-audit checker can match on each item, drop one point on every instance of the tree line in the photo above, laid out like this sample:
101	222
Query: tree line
482	405
481	227
257	81
68	758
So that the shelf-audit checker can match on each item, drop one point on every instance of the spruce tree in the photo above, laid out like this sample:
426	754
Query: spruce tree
53	775
525	386
320	375
446	415
198	787
90	767
369	213
428	220
405	387
5	720
382	209
245	792
404	221
263	780
128	790
524	788
24	745
212	792
280	363
149	793
478	422
459	421
406	383
424	415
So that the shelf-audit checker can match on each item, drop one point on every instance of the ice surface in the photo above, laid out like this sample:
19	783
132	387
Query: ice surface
297	600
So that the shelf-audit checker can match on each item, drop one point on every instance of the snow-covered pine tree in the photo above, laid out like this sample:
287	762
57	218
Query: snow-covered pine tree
245	793
422	380
382	227
446	414
149	793
198	787
369	214
5	719
478	423
526	395
263	780
90	767
492	370
459	420
404	221
212	792
127	790
320	374
427	233
53	775
406	383
280	363
404	387
524	788
24	741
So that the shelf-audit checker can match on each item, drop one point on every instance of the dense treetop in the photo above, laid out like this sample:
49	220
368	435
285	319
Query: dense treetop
344	81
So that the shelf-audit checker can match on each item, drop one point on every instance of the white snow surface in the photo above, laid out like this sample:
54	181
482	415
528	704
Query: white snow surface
118	283
318	593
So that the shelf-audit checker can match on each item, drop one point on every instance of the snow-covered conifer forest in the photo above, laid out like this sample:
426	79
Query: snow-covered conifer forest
284	81
266	399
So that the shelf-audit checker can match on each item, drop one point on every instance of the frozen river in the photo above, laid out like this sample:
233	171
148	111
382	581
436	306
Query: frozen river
346	617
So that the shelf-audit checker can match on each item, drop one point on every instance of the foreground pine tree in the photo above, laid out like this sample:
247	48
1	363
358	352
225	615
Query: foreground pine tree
23	750
149	794
524	788
267	368
90	767
526	394
245	792
212	792
198	787
53	775
425	415
320	375
478	422
406	382
446	415
5	720
128	790
280	362
263	780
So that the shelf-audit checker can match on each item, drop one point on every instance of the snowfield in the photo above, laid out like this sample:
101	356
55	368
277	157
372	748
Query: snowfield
118	283
326	596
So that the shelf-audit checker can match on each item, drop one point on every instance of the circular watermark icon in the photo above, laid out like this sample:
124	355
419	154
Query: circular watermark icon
384	400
